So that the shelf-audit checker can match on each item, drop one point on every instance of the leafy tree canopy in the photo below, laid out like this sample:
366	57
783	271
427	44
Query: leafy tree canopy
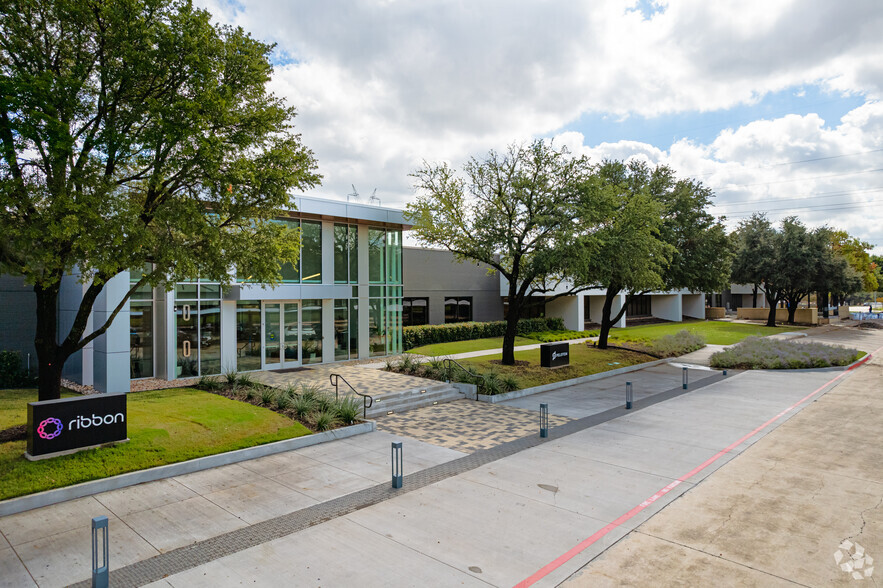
137	134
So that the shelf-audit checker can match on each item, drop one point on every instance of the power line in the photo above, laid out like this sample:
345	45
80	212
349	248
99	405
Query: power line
866	171
807	197
819	208
772	165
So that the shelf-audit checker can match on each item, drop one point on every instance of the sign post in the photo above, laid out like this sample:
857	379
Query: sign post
67	425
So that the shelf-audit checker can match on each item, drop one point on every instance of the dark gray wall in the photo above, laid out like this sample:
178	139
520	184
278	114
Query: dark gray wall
435	274
18	317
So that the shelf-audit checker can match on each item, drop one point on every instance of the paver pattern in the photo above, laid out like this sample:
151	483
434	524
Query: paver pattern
466	425
366	380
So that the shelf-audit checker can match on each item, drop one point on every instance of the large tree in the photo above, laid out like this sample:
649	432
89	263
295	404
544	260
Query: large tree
654	234
513	211
137	134
754	261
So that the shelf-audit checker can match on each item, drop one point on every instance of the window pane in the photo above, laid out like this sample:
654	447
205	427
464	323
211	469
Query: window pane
341	330
376	256
311	254
341	250
311	331
353	246
377	326
141	339
450	310
272	335
248	336
394	257
209	291
354	329
394	326
185	291
210	338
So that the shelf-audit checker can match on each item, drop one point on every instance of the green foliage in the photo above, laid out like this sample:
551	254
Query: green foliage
310	390
509	383
512	211
325	419
766	353
12	373
430	334
231	376
267	395
407	365
133	135
565	335
348	410
324	402
250	393
283	400
303	406
208	383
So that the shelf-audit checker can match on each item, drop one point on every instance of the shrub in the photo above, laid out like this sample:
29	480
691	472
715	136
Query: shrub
208	384
408	365
349	409
766	353
303	406
267	395
249	393
12	373
244	380
428	334
231	376
310	390
490	385
324	402
283	400
509	383
325	420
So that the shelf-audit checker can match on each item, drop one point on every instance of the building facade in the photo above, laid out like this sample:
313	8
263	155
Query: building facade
342	301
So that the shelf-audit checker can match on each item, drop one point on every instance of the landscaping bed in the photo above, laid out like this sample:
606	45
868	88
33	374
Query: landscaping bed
680	343
560	335
165	426
454	347
763	353
494	378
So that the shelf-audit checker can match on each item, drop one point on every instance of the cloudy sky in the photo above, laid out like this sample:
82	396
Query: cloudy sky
776	105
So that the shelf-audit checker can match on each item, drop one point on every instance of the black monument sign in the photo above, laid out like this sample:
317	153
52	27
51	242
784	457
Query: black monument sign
74	423
554	355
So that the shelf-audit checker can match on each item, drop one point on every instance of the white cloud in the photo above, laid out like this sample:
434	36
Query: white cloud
382	86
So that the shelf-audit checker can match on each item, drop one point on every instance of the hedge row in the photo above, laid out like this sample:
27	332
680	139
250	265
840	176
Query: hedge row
429	334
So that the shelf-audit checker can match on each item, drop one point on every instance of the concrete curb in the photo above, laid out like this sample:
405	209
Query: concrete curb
572	382
31	501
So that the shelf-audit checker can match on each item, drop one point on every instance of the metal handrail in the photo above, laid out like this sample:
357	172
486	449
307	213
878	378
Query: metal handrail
447	363
367	399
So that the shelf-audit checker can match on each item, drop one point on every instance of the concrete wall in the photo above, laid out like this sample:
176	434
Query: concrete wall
18	318
568	308
693	305
803	316
666	307
435	274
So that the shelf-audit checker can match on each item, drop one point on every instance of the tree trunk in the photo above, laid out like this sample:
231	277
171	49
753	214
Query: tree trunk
754	297
606	321
771	318
792	308
49	357
515	303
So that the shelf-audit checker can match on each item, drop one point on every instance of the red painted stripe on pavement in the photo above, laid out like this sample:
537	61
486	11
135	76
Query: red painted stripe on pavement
589	541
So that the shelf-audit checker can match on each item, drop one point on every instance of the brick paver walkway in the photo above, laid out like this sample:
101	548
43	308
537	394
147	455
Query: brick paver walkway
466	425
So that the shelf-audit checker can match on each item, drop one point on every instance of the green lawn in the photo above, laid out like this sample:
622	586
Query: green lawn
715	332
584	360
439	349
165	426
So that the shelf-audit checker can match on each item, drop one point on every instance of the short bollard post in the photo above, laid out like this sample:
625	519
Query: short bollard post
685	378
628	395
100	575
397	464
544	420
725	373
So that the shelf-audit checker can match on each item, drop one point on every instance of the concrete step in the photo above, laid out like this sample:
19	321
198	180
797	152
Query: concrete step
410	399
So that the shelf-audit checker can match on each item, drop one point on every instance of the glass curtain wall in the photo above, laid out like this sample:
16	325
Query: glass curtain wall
141	316
311	252
248	335
290	273
376	256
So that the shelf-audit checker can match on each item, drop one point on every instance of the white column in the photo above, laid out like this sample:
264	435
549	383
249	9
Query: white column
568	308
666	306
112	354
327	330
228	336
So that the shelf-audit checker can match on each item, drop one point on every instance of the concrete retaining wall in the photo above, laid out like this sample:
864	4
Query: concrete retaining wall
716	312
803	316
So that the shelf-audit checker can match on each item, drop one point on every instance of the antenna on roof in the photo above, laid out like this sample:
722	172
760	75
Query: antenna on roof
354	195
374	198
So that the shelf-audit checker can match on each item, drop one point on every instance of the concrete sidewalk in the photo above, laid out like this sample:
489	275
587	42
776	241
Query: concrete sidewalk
778	513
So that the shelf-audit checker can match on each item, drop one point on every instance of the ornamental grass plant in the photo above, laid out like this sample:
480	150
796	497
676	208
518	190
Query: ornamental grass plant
776	354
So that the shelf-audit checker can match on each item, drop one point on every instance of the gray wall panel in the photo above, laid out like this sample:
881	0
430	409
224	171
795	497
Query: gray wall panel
435	274
18	317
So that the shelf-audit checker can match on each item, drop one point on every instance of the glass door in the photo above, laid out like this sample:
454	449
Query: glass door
281	324
292	334
272	332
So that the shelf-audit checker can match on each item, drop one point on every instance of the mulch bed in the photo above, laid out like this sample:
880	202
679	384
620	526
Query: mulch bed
16	433
518	362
